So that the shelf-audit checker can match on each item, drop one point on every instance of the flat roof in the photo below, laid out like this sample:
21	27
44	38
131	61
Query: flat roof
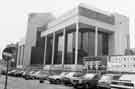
95	9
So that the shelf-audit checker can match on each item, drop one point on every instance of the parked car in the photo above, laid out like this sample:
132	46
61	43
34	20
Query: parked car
34	74
70	76
126	81
42	75
12	72
105	81
89	80
18	73
28	74
57	78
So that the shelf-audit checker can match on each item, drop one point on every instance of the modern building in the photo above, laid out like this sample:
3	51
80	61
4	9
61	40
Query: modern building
20	54
83	31
34	44
121	64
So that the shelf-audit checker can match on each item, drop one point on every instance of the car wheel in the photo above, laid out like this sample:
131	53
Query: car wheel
75	86
51	82
26	78
33	78
87	86
58	81
41	81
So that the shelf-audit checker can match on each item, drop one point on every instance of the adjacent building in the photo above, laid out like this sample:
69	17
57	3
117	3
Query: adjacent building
20	54
81	32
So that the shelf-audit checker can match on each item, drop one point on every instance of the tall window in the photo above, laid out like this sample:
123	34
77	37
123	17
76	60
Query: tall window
58	49
102	43
70	48
49	49
86	44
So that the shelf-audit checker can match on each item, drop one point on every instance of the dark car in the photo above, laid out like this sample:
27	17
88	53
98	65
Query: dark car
18	73
57	78
89	80
12	72
105	81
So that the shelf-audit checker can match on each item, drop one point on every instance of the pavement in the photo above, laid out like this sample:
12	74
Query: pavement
20	83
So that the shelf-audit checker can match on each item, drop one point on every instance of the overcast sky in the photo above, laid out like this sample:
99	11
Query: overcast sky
14	14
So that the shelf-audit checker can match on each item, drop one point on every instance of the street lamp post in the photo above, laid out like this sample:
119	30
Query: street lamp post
6	78
7	55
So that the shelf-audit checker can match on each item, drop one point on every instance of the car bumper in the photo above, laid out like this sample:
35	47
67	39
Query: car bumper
66	81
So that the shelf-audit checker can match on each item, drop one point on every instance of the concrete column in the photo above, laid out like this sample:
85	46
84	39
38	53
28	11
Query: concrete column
53	48
18	55
96	40
76	43
63	52
45	50
22	54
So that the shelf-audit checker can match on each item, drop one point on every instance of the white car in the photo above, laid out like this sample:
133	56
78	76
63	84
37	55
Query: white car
106	79
57	78
126	81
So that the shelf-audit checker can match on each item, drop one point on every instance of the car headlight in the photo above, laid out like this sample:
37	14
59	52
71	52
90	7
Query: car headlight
80	81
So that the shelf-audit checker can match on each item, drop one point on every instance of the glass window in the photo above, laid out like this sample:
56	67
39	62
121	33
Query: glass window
86	44
58	49
102	44
49	49
70	48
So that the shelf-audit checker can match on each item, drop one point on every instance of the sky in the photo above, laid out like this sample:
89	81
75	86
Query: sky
14	14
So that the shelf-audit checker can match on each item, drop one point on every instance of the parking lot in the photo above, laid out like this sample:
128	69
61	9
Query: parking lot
20	83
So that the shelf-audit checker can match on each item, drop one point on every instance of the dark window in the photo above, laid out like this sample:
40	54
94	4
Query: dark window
86	44
58	49
102	44
70	48
49	49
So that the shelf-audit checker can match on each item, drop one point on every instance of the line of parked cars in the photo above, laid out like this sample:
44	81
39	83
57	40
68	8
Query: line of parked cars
79	79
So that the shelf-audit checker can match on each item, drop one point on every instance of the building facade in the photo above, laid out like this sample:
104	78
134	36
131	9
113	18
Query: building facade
81	32
34	44
84	31
20	54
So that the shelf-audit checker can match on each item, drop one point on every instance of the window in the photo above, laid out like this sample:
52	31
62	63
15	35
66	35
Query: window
70	48
102	44
86	44
58	48
49	49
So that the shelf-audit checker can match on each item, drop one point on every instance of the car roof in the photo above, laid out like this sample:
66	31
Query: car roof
112	74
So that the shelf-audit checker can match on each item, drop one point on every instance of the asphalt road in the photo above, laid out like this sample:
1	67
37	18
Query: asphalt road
20	83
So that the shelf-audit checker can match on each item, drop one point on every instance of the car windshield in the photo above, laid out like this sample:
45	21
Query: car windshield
106	77
128	77
31	72
70	74
89	76
13	70
43	72
63	73
78	74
